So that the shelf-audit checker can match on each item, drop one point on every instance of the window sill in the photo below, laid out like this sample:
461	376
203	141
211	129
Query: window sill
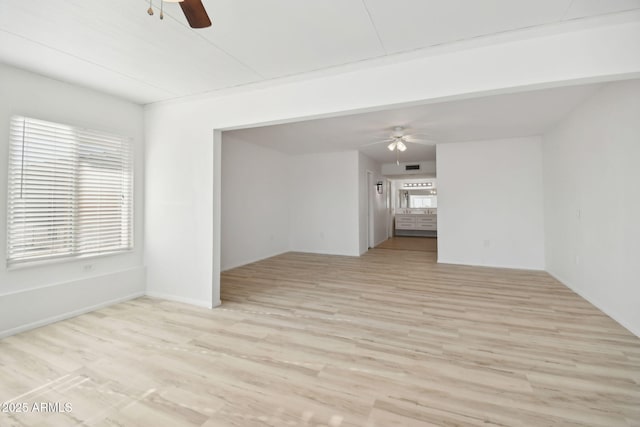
20	265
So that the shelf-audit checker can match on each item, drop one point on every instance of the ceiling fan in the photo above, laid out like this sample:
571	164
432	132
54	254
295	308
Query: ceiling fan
193	10
398	141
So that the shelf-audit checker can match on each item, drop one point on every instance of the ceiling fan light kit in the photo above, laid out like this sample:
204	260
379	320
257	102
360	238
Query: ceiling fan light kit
397	144
193	10
398	141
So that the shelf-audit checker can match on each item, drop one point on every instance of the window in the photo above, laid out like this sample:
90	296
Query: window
70	192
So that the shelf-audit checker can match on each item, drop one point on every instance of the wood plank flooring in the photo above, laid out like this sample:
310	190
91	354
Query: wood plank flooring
413	243
387	339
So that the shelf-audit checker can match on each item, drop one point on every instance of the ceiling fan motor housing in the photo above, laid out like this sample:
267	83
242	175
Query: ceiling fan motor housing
398	132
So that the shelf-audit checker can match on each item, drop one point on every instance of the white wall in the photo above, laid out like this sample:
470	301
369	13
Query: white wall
34	295
273	202
490	199
256	197
592	201
324	204
427	167
182	196
365	191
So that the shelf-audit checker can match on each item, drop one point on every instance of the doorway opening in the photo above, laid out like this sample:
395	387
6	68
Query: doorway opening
413	211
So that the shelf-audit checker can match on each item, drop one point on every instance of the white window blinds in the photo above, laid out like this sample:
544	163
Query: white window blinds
70	191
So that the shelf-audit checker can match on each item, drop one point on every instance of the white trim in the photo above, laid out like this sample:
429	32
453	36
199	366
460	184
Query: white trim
190	301
371	216
67	315
508	267
19	265
88	277
383	239
242	263
321	252
216	216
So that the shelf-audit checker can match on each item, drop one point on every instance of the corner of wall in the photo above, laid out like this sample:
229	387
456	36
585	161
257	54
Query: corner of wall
589	243
61	301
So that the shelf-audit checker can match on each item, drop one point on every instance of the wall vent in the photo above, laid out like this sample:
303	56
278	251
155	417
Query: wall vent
412	167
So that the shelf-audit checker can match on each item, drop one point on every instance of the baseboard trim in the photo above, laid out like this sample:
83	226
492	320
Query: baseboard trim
176	298
592	301
508	267
67	315
298	251
56	284
251	261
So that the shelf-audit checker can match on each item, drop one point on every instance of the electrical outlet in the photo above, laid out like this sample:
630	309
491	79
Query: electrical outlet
487	243
87	267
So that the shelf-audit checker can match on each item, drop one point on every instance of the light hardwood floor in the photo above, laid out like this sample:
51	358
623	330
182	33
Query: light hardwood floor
413	243
387	339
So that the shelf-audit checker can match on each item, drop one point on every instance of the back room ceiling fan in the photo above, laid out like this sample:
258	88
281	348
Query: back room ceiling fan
193	10
398	141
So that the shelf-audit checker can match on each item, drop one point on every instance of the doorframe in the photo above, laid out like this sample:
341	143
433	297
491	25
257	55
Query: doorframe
389	208
371	228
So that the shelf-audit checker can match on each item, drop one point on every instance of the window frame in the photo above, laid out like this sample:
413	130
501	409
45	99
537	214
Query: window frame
127	156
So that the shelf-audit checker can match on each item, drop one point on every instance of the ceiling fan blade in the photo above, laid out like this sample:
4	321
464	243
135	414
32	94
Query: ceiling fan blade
195	13
377	142
419	136
414	140
424	142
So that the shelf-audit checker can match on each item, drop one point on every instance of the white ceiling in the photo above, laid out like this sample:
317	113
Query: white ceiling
114	46
489	117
